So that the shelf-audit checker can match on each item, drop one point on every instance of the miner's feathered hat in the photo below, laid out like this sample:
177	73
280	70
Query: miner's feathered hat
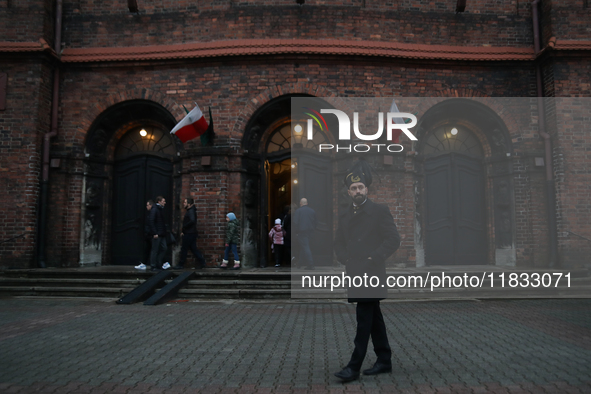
360	172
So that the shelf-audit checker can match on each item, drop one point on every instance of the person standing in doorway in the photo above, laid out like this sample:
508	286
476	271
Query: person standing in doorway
158	228
147	237
189	235
365	238
277	237
304	224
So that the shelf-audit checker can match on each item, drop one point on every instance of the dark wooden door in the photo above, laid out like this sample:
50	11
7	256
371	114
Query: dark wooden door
315	184
455	211
135	181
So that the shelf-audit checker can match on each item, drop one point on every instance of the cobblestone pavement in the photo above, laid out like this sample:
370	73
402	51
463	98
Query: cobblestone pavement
90	346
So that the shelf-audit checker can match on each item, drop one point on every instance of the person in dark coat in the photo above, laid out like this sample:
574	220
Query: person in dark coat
365	238
189	235
147	237
158	228
304	224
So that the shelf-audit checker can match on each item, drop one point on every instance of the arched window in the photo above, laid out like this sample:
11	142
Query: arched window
452	139
281	139
145	139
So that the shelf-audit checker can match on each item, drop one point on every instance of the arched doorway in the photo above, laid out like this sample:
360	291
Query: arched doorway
143	169
268	145
455	201
294	170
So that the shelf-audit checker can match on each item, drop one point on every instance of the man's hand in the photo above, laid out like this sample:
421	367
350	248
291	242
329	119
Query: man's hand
155	235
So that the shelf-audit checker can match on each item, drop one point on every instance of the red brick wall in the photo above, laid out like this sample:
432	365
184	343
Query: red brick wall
235	87
22	125
566	20
572	139
492	23
27	20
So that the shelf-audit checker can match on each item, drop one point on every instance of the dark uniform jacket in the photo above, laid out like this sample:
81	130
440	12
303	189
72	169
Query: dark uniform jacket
157	222
190	221
370	232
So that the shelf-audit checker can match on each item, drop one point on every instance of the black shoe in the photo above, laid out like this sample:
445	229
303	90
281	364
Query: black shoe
178	267
378	368
347	375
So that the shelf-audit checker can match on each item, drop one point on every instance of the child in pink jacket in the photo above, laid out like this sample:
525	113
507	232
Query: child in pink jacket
277	235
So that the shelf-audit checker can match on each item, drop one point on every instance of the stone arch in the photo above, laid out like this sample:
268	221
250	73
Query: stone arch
257	102
490	120
116	118
111	100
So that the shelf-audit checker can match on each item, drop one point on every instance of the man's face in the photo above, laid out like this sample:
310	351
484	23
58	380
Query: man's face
163	202
148	206
358	192
185	205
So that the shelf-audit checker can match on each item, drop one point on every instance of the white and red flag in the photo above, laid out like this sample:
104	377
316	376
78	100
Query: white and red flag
192	126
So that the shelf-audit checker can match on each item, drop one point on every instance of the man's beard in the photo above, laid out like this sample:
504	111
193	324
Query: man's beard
359	198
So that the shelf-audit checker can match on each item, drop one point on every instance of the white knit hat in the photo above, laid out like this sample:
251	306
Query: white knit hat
277	221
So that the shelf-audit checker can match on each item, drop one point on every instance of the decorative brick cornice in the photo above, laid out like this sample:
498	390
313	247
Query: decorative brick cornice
296	46
253	47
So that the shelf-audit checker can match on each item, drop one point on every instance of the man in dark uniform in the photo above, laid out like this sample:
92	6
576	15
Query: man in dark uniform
365	238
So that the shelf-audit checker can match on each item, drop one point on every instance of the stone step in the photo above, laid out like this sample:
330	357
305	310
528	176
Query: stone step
241	293
70	282
57	291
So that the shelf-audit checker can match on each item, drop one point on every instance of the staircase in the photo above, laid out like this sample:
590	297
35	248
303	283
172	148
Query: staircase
114	282
117	281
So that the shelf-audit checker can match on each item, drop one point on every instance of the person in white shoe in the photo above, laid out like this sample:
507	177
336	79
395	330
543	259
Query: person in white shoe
277	236
158	228
232	240
147	236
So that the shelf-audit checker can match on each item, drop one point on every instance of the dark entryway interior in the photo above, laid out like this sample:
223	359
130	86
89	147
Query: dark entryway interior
455	211
136	180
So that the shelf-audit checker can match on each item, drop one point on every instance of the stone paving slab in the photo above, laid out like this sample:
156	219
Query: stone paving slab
94	346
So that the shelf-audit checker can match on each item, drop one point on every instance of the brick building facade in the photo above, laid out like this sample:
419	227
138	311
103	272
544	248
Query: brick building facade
113	72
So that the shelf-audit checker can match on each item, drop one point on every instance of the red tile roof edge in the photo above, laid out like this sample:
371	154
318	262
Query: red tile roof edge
291	46
35	46
565	45
285	46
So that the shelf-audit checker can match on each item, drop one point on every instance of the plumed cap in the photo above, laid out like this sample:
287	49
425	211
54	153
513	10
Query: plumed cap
360	172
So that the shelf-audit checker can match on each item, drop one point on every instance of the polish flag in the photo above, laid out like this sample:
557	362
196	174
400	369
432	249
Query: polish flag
192	126
396	132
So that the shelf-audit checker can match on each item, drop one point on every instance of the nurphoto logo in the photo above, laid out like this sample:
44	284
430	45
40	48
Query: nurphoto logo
395	125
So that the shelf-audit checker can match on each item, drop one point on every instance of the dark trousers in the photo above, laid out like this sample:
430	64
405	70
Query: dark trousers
190	242
159	249
278	252
231	248
370	322
305	252
147	250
